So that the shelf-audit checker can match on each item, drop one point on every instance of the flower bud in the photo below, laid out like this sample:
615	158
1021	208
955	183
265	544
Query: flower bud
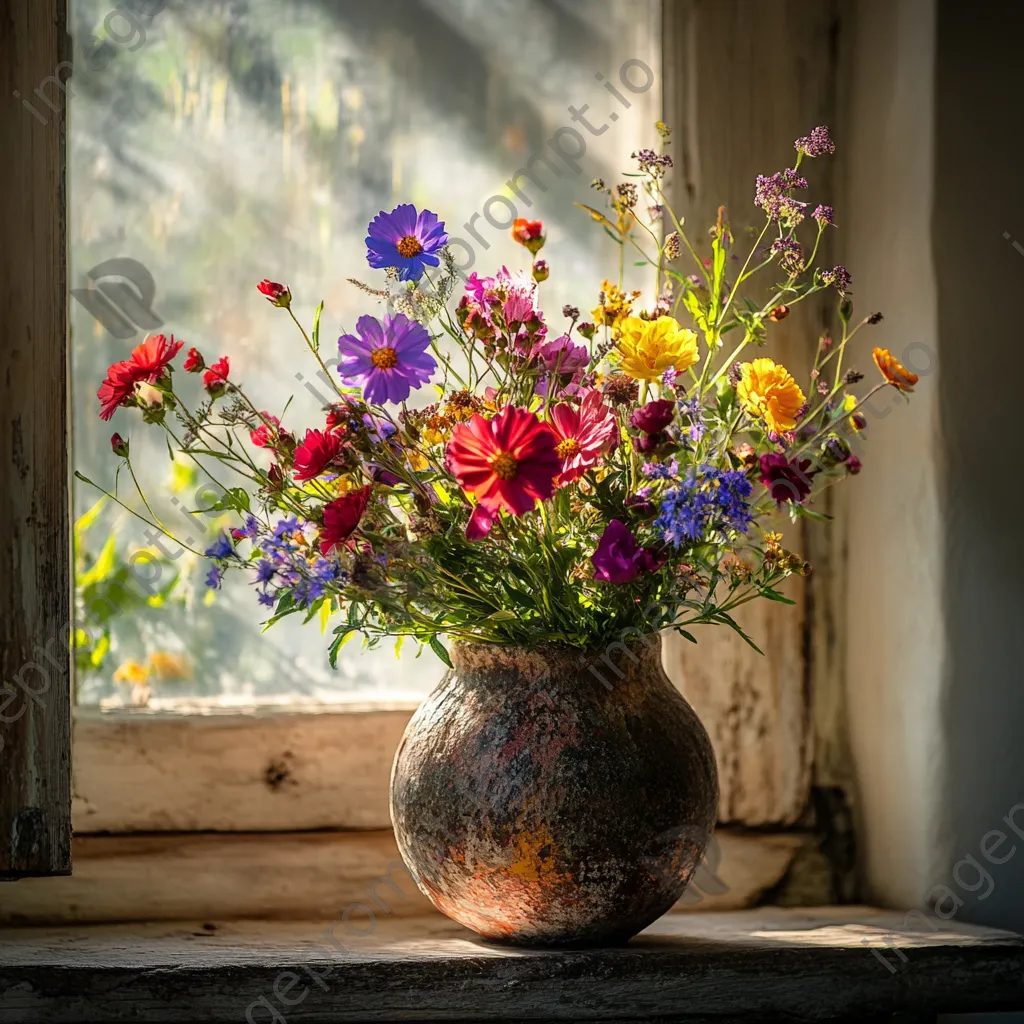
541	271
119	446
277	294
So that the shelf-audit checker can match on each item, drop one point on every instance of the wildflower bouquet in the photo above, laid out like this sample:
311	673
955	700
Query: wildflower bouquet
569	475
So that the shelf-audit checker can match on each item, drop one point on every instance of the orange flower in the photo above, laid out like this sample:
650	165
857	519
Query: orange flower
893	370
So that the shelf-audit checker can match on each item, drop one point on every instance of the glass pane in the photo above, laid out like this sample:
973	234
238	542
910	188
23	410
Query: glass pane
215	144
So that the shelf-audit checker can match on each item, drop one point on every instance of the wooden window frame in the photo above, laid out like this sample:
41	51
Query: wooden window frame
35	605
250	772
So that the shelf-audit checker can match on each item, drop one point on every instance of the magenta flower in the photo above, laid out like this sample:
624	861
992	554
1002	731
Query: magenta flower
654	417
619	559
406	240
386	359
785	480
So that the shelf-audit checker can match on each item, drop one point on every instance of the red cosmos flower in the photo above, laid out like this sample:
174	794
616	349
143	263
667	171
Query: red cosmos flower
217	375
263	436
117	388
506	462
583	435
193	362
278	294
148	362
150	359
319	449
341	517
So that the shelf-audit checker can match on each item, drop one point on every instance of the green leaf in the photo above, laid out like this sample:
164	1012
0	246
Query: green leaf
88	518
102	567
689	636
439	649
316	326
773	595
234	499
801	512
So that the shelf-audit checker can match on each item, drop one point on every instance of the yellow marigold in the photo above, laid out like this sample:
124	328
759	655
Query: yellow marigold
767	390
893	370
647	348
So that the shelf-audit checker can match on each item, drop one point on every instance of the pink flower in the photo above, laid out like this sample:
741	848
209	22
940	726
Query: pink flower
217	376
480	523
263	436
584	435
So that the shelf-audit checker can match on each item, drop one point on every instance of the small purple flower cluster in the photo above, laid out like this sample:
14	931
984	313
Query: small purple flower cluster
818	143
824	215
771	193
839	278
652	163
706	501
791	256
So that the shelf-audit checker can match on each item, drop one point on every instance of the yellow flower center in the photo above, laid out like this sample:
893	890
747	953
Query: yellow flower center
409	247
384	358
504	465
568	448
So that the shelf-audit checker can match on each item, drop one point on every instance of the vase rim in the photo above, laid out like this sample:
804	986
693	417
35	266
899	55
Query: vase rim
478	653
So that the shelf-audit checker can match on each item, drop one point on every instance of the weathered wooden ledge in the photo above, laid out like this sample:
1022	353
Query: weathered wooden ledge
770	964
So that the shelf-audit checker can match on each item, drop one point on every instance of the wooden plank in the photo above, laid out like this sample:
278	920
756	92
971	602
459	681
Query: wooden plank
35	772
167	877
770	964
235	769
727	128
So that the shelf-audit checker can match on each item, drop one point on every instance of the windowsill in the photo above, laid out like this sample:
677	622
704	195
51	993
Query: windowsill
769	962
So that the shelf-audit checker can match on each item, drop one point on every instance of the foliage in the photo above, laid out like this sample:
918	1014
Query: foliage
568	483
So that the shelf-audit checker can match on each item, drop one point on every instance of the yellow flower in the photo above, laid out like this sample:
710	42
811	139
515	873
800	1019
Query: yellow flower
647	348
131	672
418	462
437	429
614	305
768	391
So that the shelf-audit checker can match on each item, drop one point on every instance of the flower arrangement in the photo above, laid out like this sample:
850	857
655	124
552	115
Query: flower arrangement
569	475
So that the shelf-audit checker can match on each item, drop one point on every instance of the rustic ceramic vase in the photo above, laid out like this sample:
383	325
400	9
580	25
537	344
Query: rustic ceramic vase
548	797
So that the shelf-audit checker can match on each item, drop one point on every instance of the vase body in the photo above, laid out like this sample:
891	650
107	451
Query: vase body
551	797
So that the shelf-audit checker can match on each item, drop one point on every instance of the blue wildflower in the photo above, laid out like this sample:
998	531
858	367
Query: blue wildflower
214	576
220	548
265	570
266	599
708	500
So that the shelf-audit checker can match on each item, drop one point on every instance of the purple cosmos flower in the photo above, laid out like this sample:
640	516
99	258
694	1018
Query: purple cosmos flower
406	240
619	559
387	359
